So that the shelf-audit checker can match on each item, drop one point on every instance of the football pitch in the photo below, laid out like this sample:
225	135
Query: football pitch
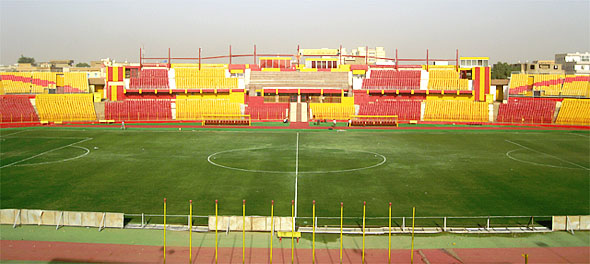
440	172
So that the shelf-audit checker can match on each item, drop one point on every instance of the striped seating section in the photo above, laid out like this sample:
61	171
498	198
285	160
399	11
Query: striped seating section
549	83
145	109
150	79
526	111
16	82
404	109
446	80
392	80
42	80
331	111
75	82
194	109
574	112
16	108
576	86
518	83
65	107
207	78
456	110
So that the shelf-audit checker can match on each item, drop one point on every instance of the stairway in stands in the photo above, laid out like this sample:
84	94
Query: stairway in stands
298	117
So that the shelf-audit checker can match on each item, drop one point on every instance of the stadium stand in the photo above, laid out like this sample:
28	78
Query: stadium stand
391	80
150	79
194	109
331	111
574	112
446	80
258	110
65	107
334	80
42	80
208	78
404	109
549	83
16	108
456	110
525	110
576	86
518	83
16	82
145	109
75	82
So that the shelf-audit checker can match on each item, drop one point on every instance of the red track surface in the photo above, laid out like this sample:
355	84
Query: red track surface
85	252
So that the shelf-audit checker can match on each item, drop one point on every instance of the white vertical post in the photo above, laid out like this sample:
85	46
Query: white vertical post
488	223
16	218
142	222
40	216
59	220
404	223
445	224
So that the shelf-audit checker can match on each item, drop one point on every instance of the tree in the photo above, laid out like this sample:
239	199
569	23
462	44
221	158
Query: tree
502	70
82	64
24	59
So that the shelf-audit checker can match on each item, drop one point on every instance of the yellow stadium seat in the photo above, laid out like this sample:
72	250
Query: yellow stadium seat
195	109
446	80
206	78
456	110
65	107
574	112
331	111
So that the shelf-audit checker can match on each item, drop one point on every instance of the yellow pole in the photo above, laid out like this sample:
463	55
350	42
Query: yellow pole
190	233
215	231
389	239
364	210
164	230
413	217
341	211
292	229
243	231
526	258
313	235
272	226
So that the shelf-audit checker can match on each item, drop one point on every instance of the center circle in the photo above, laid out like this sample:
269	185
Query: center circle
288	160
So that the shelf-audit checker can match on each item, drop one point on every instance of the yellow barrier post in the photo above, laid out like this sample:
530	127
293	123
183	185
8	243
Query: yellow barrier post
215	231
341	213
413	217
313	235
243	231
526	258
272	226
164	230
190	232
292	230
364	211
389	237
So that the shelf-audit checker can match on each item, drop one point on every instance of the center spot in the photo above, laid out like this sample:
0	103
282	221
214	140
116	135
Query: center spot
282	160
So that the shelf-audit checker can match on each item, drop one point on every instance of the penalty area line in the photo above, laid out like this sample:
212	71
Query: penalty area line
45	152
569	162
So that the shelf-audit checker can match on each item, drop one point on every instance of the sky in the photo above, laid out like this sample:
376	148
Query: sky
86	30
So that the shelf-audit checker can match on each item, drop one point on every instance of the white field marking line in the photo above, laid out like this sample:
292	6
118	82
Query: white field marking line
45	152
51	137
580	135
569	162
212	156
14	133
535	163
58	161
296	172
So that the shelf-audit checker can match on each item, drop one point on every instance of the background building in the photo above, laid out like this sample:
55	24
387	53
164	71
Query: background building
574	63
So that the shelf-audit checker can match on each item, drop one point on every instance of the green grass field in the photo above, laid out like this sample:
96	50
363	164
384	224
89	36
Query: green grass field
441	172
